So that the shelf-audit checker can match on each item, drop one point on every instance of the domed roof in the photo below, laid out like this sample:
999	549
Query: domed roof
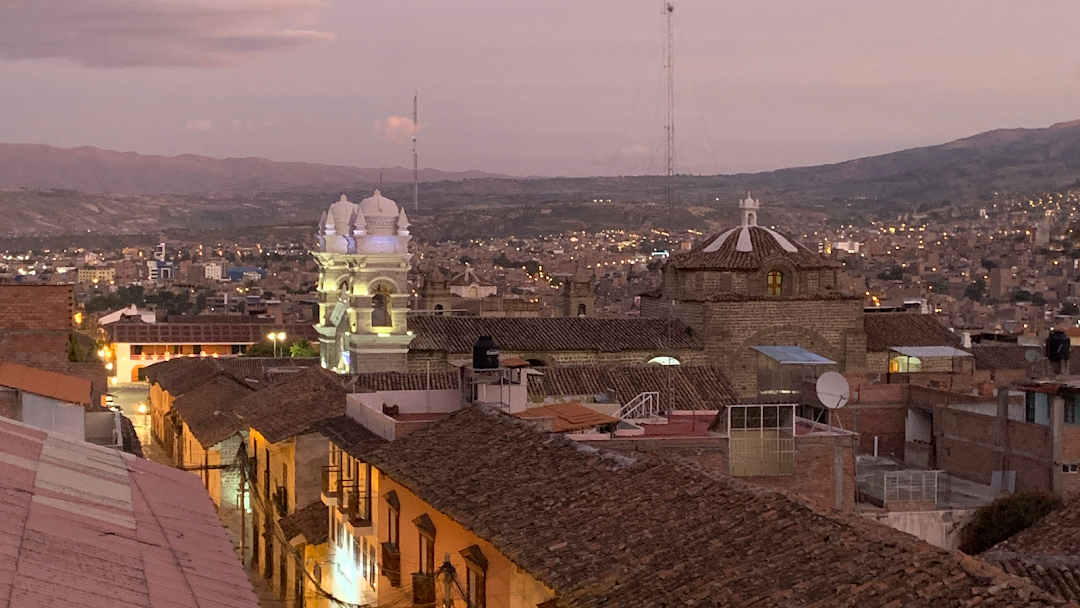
341	211
748	246
378	205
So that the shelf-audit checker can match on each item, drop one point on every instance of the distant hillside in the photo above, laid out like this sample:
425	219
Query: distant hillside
57	191
89	169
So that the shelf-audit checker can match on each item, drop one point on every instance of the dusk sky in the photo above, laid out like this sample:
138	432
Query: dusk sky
531	88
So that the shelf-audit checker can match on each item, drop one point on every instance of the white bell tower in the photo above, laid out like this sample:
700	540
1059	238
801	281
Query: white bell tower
363	261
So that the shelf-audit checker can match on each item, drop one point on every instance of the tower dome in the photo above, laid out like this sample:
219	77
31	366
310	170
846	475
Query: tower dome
337	226
378	205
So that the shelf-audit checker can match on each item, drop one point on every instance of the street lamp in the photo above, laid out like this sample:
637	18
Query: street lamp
276	337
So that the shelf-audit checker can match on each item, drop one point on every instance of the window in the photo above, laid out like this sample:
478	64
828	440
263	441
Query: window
581	310
1037	408
903	364
775	282
426	530
475	577
371	565
663	361
393	525
439	310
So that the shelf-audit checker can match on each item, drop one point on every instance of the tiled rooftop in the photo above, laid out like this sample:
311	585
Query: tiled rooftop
764	245
696	387
294	405
459	334
61	387
87	526
606	530
885	330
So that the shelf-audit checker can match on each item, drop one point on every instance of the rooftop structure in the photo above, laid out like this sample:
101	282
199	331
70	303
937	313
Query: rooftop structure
88	526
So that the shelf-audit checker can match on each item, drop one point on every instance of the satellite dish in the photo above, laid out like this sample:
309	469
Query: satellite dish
1032	355
833	390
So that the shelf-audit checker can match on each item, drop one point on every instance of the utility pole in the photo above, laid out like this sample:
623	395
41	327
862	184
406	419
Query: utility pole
415	170
669	64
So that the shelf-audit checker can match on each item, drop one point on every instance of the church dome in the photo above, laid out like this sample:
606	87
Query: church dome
378	205
748	247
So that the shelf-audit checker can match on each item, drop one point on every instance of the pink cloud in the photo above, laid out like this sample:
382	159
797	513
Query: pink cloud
398	129
196	125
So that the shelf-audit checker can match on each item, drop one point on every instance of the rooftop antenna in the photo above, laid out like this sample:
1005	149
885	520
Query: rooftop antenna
415	171
669	65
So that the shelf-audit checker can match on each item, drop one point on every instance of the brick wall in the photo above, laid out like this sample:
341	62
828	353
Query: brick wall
830	328
968	447
815	472
887	422
36	307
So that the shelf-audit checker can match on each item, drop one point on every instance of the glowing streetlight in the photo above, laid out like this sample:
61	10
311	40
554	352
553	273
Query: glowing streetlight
276	337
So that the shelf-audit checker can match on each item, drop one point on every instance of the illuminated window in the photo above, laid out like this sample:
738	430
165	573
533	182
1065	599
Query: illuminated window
775	282
663	361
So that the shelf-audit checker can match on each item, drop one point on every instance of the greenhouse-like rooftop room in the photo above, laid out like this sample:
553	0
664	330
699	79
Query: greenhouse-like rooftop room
781	370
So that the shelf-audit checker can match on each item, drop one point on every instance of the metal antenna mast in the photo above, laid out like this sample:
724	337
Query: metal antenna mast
669	64
415	170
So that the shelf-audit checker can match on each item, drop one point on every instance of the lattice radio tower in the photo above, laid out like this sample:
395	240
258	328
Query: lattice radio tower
415	169
669	65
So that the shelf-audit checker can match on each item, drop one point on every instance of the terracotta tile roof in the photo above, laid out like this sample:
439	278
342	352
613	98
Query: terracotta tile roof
405	381
291	407
87	526
885	330
202	333
177	376
697	387
997	357
208	409
1048	553
568	416
260	371
1062	580
764	245
458	334
349	435
61	387
311	521
607	530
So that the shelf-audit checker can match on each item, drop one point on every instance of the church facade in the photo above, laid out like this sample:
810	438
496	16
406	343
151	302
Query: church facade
363	288
752	286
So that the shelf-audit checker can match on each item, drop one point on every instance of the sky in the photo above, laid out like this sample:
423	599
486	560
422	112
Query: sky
559	87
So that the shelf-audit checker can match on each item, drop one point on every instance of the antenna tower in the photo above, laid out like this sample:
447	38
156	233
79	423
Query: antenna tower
669	65
415	170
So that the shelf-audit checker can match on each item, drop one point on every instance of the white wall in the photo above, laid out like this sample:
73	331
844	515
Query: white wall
50	414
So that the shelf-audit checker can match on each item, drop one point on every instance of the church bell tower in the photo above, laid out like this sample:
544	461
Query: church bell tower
363	261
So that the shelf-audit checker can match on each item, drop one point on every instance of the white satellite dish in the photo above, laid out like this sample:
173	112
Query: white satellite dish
833	390
1032	355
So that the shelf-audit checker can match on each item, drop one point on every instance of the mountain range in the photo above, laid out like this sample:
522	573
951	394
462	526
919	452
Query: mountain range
48	190
93	170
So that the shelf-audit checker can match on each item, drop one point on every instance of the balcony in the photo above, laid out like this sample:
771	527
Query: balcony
331	486
423	589
391	563
281	500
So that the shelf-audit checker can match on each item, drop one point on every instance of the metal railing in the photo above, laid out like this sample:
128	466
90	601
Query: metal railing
900	486
645	405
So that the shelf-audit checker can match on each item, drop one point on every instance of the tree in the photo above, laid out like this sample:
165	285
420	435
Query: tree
1021	296
262	349
977	290
893	274
1004	517
1070	309
302	349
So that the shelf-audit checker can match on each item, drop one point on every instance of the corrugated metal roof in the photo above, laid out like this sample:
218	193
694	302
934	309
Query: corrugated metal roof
61	387
793	355
923	352
82	525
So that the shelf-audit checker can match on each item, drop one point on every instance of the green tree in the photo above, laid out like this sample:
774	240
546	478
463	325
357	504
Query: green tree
1004	517
263	349
977	290
302	349
1021	296
1070	309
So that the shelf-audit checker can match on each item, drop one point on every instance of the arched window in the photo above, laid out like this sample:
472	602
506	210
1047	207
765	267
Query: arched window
664	361
775	282
381	303
438	310
581	310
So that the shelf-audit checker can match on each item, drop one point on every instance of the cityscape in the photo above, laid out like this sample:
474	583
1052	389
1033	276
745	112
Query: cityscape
261	362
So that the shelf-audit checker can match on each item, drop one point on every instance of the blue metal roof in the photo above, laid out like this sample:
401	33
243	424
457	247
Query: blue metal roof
792	355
